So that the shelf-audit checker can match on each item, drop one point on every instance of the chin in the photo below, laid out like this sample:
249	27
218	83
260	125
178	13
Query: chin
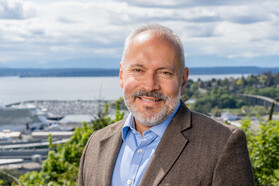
151	118
150	115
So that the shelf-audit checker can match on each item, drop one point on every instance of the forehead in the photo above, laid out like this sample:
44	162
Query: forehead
153	37
152	45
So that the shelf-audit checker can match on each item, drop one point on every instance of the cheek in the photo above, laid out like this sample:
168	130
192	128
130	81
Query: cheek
171	88
130	84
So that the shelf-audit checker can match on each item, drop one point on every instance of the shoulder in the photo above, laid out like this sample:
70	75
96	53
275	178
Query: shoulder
213	130
199	126
96	141
99	149
201	120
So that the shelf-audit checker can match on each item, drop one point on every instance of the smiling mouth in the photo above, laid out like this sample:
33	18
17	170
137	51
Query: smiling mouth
150	99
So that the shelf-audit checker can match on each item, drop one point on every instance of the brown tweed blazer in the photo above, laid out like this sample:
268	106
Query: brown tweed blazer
194	150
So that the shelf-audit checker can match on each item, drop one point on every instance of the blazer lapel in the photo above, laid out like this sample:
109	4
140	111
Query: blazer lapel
112	143
170	147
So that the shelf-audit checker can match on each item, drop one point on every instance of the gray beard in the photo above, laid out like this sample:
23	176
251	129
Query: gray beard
155	119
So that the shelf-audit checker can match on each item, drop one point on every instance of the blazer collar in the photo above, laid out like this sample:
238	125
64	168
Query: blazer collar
170	147
112	143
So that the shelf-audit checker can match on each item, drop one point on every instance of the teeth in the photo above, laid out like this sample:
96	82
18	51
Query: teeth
151	100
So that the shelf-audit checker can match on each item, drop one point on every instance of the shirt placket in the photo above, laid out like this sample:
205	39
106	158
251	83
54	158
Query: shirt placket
142	143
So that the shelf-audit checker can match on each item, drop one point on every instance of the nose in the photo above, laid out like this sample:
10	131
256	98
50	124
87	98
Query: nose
150	82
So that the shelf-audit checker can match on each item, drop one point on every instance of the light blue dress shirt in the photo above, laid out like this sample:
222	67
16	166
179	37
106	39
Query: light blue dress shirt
136	151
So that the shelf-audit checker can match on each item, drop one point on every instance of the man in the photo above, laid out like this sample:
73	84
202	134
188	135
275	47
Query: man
162	142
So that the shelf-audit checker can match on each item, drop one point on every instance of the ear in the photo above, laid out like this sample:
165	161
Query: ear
184	79
121	74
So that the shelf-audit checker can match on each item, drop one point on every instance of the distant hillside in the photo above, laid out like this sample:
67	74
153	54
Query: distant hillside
58	72
92	72
232	70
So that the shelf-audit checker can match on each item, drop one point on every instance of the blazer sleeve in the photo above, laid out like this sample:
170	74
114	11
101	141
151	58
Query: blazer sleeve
82	164
233	166
80	174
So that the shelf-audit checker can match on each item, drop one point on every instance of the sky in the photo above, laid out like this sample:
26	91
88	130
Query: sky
91	33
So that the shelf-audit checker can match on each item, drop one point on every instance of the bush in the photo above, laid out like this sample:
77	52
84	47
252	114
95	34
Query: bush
263	145
9	176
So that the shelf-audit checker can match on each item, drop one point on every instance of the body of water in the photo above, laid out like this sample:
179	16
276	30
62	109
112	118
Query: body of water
15	89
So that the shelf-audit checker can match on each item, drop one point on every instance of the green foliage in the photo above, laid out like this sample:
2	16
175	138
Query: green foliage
103	119
271	92
118	115
50	145
263	145
217	98
61	166
191	88
8	176
223	93
239	82
256	110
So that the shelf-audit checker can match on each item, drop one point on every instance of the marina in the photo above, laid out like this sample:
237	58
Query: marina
25	128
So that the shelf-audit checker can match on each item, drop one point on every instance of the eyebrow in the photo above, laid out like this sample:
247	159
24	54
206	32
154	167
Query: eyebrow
136	65
160	68
168	68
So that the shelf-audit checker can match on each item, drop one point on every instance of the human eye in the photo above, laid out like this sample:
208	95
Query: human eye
137	70
167	73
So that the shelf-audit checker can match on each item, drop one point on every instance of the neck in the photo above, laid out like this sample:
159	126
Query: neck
140	127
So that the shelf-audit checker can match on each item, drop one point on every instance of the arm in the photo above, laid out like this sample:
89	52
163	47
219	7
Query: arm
82	163
233	166
80	174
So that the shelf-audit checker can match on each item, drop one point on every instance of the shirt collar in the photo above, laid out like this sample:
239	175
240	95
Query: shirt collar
158	129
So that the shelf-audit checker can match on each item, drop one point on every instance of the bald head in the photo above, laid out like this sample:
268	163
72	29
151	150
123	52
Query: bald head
160	32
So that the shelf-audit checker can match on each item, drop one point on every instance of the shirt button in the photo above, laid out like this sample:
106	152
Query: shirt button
139	151
129	182
134	131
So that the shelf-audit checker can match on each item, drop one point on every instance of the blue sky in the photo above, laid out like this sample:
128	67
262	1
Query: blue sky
84	33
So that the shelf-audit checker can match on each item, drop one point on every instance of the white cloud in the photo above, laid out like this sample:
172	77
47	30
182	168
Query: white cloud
188	3
61	30
11	9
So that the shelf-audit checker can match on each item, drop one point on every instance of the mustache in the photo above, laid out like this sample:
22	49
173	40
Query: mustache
155	94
